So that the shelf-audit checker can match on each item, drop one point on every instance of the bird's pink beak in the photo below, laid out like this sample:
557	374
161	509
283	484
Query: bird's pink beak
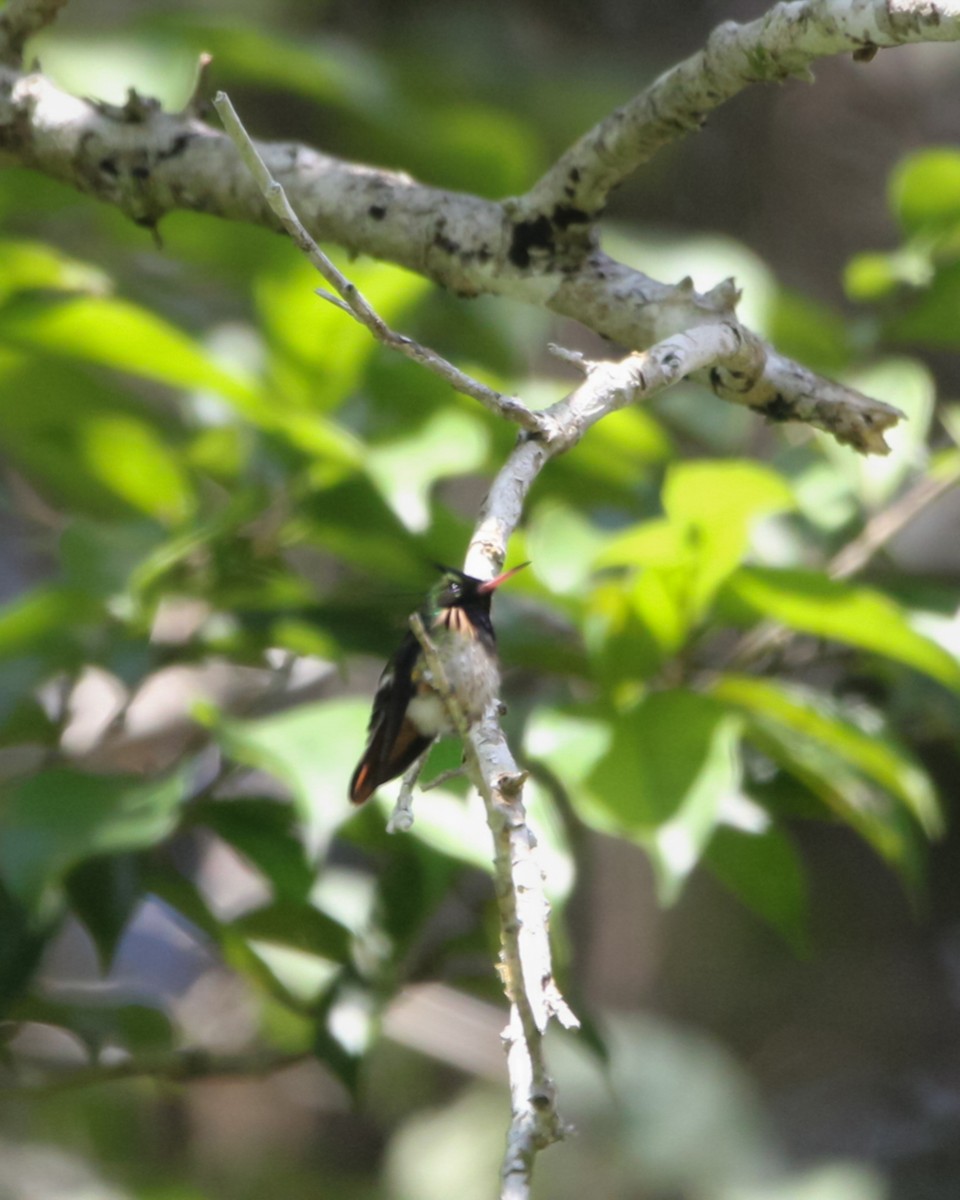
492	584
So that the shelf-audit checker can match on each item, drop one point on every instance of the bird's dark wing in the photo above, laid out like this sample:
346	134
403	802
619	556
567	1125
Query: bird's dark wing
393	742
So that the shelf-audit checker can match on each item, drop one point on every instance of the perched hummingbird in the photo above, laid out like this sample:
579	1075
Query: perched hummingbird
407	713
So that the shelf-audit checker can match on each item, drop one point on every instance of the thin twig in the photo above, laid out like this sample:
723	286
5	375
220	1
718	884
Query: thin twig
184	1066
525	957
354	302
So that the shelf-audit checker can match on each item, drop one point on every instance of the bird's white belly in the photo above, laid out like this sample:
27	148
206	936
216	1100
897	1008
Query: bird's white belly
471	671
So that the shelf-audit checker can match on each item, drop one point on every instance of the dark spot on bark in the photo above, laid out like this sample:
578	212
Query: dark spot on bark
527	236
377	211
447	245
777	409
109	167
140	172
574	174
565	215
177	147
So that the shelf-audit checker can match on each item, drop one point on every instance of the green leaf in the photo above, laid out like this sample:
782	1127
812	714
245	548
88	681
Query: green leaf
763	871
34	266
321	353
115	333
924	189
55	820
657	774
46	618
21	945
562	544
129	458
406	469
139	1028
808	715
931	320
808	332
710	508
843	612
263	831
299	926
104	893
313	749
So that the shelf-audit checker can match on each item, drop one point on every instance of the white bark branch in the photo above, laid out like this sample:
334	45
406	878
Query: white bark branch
149	163
778	46
20	20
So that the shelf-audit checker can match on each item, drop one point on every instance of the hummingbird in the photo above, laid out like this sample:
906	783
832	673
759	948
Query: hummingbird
408	714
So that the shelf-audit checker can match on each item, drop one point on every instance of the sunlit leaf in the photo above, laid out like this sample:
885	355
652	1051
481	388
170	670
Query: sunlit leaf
405	470
313	749
657	774
130	459
34	266
843	612
924	189
562	544
672	762
116	333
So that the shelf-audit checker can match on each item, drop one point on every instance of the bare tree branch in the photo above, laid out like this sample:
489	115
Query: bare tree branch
183	1066
778	46
148	163
353	302
20	20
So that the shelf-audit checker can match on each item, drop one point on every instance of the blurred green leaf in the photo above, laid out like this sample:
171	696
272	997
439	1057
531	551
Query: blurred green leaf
657	774
808	332
313	749
843	612
710	508
405	470
924	189
128	457
118	334
672	761
48	619
931	319
298	925
21	946
562	544
104	893
35	266
53	821
811	716
138	1028
763	871
265	833
328	348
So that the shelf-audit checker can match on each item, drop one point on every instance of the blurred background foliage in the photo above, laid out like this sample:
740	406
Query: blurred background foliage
221	500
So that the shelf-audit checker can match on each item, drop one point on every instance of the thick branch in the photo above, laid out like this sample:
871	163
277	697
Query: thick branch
779	45
149	163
